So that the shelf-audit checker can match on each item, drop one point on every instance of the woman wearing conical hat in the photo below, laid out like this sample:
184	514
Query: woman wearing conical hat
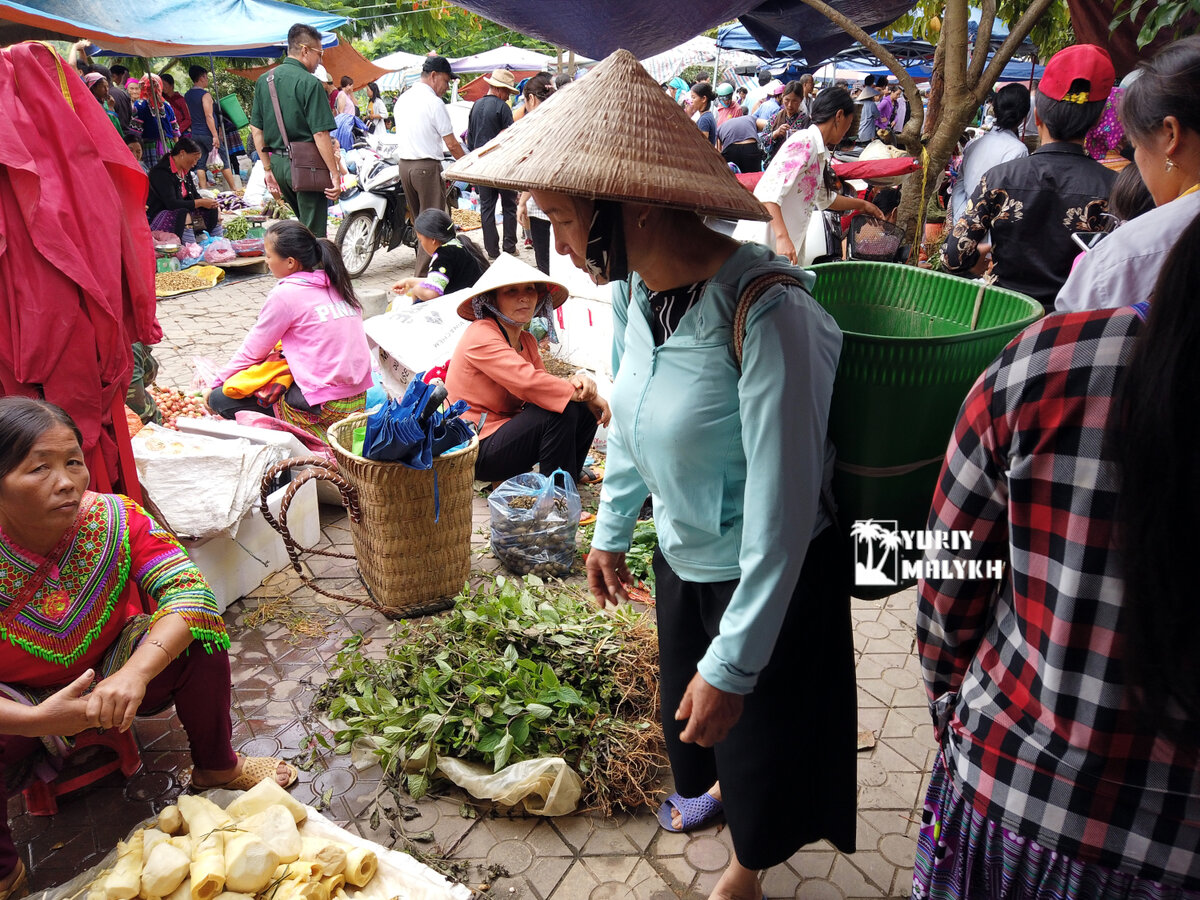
723	420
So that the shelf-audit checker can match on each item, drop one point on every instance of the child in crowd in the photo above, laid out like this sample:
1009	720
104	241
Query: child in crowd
306	360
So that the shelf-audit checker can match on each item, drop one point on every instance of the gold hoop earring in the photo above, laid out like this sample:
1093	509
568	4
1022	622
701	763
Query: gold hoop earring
1170	165
642	222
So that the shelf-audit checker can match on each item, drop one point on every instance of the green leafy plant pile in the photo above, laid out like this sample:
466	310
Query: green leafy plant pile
518	670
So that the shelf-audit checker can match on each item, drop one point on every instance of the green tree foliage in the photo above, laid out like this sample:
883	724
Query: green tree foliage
1050	34
420	26
1168	16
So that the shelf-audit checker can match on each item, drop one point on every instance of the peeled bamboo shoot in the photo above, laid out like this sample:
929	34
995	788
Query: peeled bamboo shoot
249	863
277	829
170	820
125	880
361	865
208	862
166	868
263	795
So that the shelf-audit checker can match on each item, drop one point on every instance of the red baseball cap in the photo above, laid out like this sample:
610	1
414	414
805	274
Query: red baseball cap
1085	62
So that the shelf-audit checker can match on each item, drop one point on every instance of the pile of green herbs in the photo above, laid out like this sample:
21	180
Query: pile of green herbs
519	669
641	551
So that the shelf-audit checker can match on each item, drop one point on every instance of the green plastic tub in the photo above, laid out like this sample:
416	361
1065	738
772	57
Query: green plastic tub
233	109
908	359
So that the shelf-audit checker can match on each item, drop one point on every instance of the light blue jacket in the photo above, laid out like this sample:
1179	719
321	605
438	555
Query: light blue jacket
735	464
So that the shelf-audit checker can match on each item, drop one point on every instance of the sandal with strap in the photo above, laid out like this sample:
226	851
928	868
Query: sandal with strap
254	770
20	884
694	812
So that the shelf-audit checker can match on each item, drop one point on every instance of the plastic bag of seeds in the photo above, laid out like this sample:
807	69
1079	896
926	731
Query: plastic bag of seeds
534	520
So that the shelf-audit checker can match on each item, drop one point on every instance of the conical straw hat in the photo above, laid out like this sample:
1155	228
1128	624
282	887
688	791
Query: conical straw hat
506	270
613	135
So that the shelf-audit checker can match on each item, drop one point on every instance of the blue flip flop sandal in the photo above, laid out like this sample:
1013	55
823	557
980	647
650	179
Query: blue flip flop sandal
694	812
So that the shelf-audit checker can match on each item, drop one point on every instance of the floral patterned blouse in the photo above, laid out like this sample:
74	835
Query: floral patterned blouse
794	180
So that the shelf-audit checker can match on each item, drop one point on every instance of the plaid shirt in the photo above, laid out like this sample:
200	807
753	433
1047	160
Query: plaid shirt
1024	674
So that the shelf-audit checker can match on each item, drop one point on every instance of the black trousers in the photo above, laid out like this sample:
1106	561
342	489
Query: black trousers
787	769
747	157
228	408
539	231
487	211
535	435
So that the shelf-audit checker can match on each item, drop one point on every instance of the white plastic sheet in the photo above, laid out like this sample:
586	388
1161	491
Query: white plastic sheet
203	485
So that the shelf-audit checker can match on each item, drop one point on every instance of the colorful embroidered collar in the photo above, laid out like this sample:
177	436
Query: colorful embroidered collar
67	611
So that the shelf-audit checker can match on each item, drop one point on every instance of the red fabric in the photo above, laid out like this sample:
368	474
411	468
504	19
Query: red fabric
76	256
749	180
876	168
183	117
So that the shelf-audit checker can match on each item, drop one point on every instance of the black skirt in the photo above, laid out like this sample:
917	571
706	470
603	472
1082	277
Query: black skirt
788	768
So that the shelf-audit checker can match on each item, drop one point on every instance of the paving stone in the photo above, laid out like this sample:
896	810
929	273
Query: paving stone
851	881
647	884
546	872
707	854
611	868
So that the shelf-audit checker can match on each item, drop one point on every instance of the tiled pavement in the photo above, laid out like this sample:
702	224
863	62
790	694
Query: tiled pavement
578	857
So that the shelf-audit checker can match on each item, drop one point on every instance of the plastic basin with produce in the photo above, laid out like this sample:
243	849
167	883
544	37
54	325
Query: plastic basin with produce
909	357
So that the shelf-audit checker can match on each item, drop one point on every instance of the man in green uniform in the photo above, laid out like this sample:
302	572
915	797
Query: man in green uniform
306	116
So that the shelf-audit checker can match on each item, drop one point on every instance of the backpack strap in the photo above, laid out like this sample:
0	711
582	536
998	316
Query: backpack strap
750	295
753	291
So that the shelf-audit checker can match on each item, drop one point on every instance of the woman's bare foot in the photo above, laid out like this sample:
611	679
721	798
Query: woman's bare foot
216	778
737	883
677	816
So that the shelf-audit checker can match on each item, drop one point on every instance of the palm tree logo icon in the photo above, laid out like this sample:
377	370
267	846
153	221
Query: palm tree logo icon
871	534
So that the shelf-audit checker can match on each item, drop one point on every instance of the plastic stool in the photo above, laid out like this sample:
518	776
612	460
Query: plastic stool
41	797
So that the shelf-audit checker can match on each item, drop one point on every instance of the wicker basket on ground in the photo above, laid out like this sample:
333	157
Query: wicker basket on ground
411	528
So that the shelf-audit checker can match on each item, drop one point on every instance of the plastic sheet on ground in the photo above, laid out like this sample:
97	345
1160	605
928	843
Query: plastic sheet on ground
542	787
400	876
203	485
209	274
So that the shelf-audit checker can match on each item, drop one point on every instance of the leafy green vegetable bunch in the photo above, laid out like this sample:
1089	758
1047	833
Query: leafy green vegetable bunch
517	670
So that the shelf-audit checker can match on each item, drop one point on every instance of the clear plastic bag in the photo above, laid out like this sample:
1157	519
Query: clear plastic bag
206	373
219	250
534	521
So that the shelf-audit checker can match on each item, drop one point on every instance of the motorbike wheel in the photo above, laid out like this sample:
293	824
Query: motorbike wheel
356	239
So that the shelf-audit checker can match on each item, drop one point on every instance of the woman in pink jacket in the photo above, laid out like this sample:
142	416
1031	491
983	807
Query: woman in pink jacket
314	316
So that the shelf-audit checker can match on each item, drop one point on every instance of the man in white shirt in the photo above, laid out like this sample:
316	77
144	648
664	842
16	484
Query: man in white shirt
423	132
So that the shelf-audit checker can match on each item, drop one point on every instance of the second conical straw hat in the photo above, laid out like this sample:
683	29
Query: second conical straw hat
613	135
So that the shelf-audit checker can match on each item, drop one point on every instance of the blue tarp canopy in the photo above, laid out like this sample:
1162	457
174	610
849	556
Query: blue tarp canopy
596	28
907	48
167	27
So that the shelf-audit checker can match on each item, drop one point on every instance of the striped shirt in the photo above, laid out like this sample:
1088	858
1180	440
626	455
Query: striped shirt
1025	673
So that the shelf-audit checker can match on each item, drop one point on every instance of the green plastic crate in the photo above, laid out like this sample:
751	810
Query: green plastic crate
908	360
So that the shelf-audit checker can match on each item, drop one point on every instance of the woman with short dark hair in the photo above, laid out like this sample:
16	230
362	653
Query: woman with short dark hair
94	593
174	194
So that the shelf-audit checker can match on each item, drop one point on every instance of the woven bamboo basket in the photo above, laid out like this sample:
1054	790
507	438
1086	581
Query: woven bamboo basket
414	551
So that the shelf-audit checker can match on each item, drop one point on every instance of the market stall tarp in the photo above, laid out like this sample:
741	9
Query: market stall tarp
503	57
338	61
167	27
74	296
699	51
645	27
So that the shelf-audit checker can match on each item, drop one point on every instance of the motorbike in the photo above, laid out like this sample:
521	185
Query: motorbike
375	213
